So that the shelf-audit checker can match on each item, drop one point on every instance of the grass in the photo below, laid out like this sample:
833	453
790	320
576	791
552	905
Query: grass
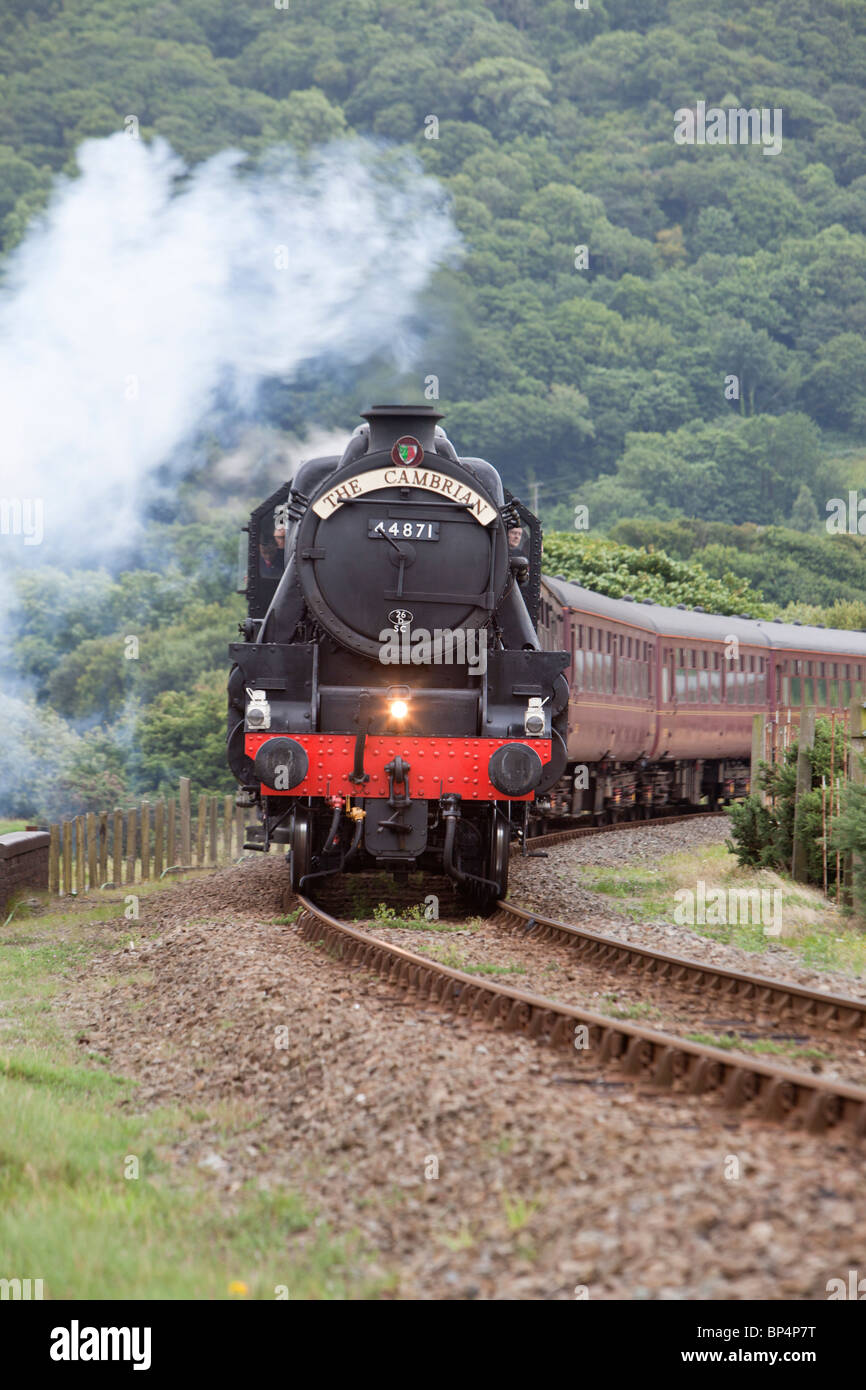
455	960
518	1211
634	1011
463	1239
70	1216
7	827
385	916
812	928
92	1200
760	1046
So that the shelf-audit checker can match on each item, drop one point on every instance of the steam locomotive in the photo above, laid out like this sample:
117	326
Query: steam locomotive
390	704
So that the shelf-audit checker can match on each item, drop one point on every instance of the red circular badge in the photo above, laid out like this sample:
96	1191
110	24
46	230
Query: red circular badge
407	451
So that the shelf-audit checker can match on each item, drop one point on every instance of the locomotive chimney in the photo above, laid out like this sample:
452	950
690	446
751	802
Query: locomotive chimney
388	423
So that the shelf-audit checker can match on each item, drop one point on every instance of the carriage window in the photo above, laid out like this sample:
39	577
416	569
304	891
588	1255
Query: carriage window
796	695
704	686
715	677
822	691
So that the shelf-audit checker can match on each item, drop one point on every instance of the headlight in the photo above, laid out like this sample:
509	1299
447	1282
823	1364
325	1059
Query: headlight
258	710
533	720
399	709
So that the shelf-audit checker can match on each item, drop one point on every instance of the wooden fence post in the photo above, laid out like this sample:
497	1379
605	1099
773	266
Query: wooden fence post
799	859
185	828
212	827
200	829
54	859
131	847
117	849
145	841
239	831
171	841
92	851
227	827
158	838
80	853
67	858
858	776
759	734
103	847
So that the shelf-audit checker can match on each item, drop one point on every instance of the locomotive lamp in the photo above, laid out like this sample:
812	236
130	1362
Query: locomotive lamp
398	701
258	710
533	722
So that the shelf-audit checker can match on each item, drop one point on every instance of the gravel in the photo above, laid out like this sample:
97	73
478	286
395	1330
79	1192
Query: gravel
552	888
555	1180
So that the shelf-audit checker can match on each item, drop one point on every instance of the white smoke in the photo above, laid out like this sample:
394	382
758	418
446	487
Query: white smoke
148	294
151	299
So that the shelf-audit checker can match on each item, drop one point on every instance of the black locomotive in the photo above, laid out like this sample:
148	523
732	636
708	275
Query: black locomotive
390	705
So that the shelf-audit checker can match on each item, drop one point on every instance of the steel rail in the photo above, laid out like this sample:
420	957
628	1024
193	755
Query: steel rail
582	832
662	1059
808	1005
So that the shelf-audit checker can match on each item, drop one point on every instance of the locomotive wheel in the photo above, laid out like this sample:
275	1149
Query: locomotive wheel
500	847
494	866
302	847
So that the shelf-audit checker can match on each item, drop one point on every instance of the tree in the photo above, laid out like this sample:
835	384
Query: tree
182	734
804	514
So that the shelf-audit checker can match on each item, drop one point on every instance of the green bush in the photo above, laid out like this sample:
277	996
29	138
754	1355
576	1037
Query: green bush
764	835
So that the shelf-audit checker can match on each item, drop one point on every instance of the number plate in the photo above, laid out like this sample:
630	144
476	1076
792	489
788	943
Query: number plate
404	530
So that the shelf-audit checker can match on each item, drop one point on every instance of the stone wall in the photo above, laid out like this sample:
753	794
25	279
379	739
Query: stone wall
23	863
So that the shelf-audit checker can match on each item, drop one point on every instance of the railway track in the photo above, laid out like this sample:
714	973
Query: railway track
660	1059
720	984
582	832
